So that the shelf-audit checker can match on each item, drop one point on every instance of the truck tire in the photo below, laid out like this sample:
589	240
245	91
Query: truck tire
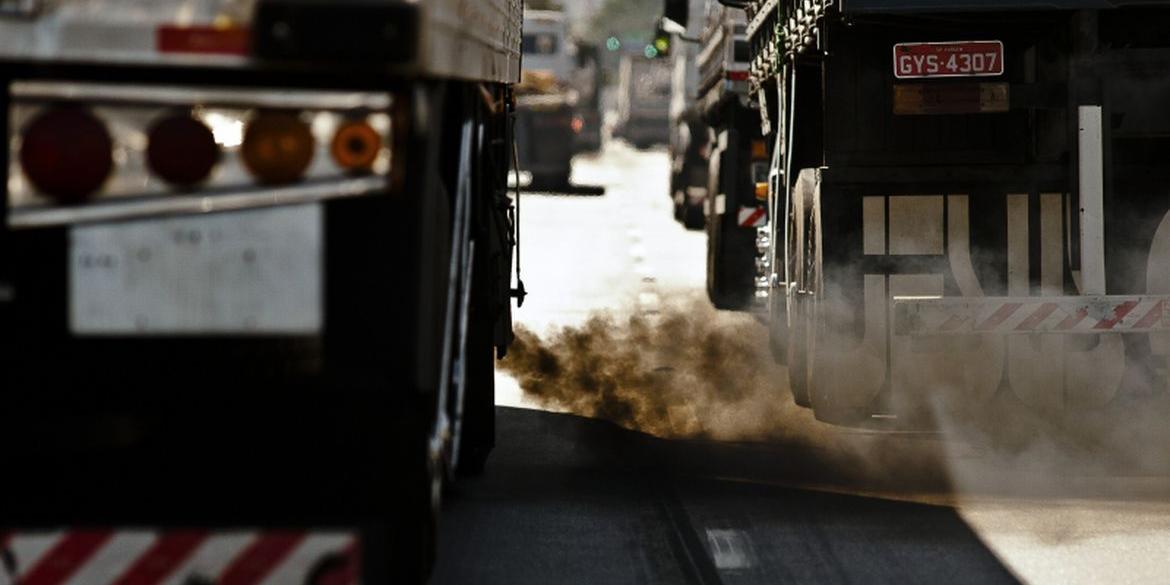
479	409
730	264
478	436
692	217
833	401
801	245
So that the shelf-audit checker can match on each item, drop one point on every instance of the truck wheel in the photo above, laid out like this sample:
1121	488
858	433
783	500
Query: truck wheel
692	217
414	527
730	264
478	436
844	374
798	337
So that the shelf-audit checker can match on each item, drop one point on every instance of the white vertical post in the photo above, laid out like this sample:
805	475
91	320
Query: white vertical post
1091	176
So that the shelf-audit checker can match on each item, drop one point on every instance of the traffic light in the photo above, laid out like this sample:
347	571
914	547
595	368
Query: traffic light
660	46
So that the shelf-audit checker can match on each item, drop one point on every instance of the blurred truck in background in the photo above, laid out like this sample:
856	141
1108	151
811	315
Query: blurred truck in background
690	140
969	203
737	199
255	268
587	80
546	101
643	101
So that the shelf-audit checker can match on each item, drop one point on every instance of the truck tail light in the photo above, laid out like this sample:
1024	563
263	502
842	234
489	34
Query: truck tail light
91	152
356	146
759	150
278	147
182	150
66	153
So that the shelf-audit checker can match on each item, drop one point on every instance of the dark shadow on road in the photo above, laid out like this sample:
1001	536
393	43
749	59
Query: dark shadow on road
574	500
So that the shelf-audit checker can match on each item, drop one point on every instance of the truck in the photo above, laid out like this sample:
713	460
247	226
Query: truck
690	140
643	99
547	101
736	200
968	203
255	269
587	81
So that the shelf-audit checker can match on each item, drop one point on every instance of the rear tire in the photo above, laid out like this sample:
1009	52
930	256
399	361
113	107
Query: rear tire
803	253
479	409
692	217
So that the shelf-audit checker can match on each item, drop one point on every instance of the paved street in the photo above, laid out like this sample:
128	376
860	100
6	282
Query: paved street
739	486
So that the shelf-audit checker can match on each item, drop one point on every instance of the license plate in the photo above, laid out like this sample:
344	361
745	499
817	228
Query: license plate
248	272
954	59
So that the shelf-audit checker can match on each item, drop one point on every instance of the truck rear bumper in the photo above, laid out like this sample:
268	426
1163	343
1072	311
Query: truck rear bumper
931	316
101	556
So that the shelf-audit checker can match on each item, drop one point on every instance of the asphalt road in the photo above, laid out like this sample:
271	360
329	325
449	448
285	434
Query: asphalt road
573	500
765	494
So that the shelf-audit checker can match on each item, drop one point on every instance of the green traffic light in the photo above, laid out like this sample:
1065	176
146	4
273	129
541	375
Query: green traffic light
651	52
613	44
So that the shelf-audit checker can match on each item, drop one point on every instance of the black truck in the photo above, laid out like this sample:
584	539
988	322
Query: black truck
255	267
969	202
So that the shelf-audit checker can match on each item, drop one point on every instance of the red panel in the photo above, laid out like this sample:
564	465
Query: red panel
203	40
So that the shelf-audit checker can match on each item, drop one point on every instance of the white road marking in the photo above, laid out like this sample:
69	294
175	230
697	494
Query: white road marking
730	549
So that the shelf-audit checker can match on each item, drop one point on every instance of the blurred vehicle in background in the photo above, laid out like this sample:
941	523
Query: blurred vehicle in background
970	205
720	182
690	140
587	80
643	98
738	195
255	267
546	101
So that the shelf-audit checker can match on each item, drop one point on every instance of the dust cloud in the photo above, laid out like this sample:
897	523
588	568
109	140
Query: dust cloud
706	377
688	372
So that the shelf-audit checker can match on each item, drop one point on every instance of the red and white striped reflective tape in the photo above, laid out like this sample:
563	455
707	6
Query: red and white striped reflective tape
108	557
753	216
1100	314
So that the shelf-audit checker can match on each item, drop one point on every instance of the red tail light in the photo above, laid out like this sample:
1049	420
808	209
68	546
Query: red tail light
182	150
67	153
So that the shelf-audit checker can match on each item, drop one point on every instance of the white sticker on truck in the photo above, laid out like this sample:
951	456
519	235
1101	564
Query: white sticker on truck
247	272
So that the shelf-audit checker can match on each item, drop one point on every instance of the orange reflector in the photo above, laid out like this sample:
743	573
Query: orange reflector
950	98
759	150
762	191
278	147
355	146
